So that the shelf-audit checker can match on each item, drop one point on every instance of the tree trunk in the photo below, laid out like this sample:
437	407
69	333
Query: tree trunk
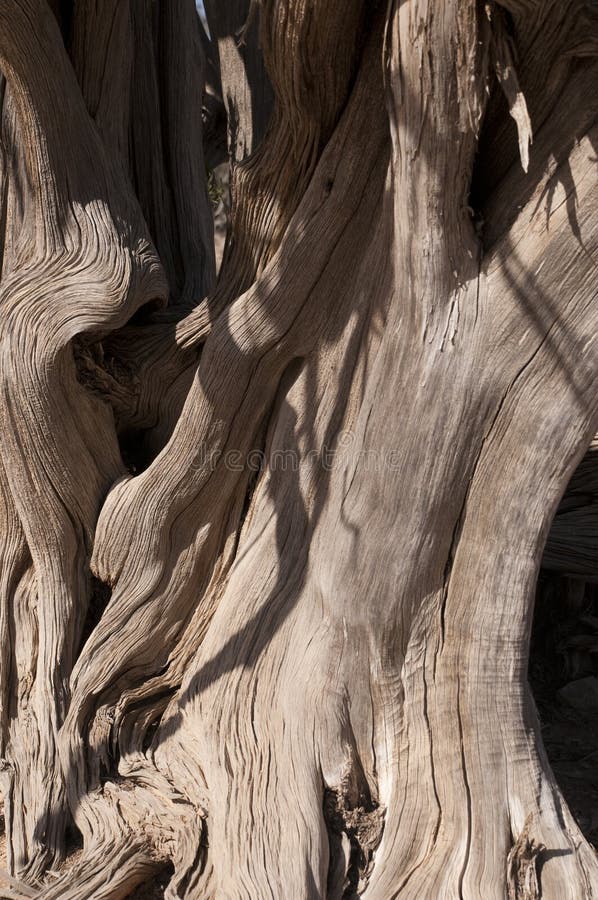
270	544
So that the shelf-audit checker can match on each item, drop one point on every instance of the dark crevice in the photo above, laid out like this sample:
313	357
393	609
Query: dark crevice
563	676
563	658
99	597
63	12
135	451
355	823
105	376
470	836
154	889
146	313
102	371
73	838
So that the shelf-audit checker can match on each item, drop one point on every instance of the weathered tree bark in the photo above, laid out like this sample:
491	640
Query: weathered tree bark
270	544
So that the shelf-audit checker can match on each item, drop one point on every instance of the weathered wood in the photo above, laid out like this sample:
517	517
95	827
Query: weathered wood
269	547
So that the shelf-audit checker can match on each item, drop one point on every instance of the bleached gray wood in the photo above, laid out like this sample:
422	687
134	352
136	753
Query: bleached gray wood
309	680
